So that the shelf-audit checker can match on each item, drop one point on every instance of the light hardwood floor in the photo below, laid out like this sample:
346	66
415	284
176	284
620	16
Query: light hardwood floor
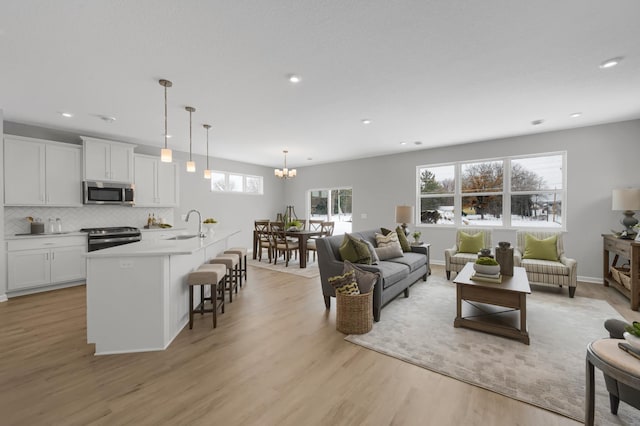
275	359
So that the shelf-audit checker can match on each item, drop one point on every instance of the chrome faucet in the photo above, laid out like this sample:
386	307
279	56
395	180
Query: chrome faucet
186	219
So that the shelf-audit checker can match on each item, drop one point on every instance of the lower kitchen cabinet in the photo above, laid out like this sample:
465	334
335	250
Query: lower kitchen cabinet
44	261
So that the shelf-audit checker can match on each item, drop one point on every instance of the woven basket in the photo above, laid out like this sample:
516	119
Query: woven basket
622	275
354	313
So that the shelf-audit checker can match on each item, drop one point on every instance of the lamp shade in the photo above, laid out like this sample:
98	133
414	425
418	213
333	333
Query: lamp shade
404	214
625	199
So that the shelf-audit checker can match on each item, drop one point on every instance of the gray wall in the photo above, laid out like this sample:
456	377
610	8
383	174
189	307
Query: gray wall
599	159
231	210
3	254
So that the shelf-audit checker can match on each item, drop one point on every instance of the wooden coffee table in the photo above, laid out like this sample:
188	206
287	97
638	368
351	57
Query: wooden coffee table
484	310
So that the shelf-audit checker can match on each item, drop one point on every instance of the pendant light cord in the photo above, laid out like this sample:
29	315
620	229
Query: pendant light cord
165	117
190	136
207	148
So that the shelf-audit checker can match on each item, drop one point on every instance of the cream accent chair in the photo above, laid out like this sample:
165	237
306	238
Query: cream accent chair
455	261
564	272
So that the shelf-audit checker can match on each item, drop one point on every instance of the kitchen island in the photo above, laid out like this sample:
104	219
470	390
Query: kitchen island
137	297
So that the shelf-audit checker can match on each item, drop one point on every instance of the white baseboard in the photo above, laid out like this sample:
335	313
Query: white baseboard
26	291
3	298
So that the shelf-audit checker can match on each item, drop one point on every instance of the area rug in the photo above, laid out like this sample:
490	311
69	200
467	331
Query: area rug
311	271
550	373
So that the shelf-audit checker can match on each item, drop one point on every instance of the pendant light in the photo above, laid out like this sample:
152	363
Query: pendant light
207	171
285	173
165	153
191	165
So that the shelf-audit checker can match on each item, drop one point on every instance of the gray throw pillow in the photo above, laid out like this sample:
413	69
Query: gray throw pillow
374	256
366	280
389	252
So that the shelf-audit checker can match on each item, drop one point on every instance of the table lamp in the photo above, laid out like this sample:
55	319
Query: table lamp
627	200
404	215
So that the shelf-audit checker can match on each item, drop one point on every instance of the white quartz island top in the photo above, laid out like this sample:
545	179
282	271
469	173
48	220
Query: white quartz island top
164	247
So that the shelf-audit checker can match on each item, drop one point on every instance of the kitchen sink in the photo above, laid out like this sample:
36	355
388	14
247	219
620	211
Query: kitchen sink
181	237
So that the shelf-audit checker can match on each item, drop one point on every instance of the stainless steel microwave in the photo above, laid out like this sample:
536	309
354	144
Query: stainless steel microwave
108	193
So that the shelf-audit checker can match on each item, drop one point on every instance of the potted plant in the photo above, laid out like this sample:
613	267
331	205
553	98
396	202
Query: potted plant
632	334
416	236
209	224
294	225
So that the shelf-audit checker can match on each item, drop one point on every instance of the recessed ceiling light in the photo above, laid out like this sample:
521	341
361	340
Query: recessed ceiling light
417	143
537	122
309	158
366	121
294	78
575	115
403	143
66	114
611	62
168	136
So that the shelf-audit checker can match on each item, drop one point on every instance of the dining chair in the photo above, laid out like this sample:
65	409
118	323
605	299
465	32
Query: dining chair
264	238
327	230
280	244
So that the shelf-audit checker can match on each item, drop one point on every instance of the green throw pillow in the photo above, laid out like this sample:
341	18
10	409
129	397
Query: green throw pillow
402	237
354	250
471	243
546	249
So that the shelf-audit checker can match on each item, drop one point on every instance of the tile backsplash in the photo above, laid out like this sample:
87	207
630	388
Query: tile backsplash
75	218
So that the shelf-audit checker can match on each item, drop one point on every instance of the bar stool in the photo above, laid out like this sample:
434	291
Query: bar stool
231	262
242	253
213	275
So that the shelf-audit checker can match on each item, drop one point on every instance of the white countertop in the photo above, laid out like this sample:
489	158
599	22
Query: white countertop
162	229
164	247
32	236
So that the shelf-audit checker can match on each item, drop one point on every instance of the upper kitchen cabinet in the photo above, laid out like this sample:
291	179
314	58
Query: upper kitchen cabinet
40	172
107	161
156	182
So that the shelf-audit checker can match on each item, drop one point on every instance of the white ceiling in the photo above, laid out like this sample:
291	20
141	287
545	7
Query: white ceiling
439	72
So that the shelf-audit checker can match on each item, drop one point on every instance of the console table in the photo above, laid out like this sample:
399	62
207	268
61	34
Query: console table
625	249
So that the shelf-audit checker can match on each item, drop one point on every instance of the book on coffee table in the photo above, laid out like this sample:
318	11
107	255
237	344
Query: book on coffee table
629	349
489	278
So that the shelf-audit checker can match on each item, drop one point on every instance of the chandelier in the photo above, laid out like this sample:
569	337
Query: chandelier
285	173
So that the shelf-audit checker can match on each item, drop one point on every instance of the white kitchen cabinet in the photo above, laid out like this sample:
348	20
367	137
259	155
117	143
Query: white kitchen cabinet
156	183
43	261
107	161
40	172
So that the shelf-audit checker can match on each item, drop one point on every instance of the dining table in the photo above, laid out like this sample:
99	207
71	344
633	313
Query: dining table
302	236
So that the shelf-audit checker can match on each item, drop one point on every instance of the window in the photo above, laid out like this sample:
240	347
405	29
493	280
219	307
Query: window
331	205
235	182
525	191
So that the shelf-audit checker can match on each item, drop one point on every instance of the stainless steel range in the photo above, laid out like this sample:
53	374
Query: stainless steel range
101	238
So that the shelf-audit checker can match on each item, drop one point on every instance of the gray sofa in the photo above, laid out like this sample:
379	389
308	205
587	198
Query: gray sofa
396	275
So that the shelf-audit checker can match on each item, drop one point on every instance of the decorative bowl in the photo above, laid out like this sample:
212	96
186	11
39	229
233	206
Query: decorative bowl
486	269
634	341
504	244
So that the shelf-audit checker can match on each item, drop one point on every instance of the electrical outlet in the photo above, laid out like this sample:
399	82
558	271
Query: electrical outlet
125	264
363	215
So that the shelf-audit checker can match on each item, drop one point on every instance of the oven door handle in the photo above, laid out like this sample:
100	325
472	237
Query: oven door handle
113	240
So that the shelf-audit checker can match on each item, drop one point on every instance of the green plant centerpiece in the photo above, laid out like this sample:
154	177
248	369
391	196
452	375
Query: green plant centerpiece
486	261
209	220
416	236
633	329
294	224
210	224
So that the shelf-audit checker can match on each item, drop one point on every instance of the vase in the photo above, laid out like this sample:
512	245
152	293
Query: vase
210	227
631	339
